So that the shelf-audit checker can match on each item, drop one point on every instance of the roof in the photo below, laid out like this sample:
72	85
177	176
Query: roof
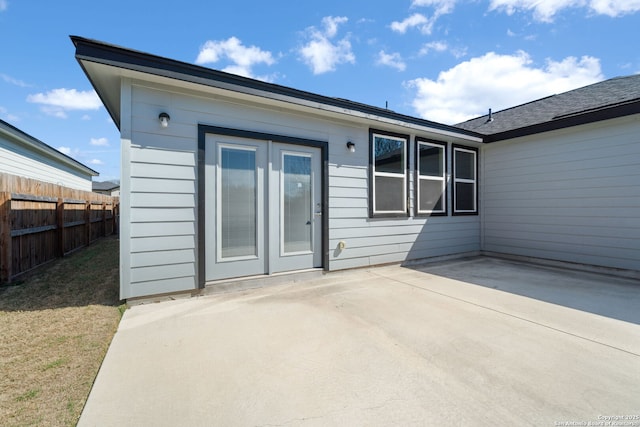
104	186
106	64
38	146
608	99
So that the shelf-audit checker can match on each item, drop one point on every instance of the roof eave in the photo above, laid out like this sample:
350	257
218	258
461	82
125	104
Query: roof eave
614	112
116	56
43	148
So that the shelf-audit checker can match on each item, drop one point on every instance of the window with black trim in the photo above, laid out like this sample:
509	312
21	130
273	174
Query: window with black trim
388	186
431	177
465	181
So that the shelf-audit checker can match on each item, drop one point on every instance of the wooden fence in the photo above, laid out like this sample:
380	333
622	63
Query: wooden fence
41	221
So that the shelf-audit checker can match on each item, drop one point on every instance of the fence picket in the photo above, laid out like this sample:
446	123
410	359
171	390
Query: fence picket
41	221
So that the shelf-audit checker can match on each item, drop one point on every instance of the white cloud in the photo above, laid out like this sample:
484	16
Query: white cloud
497	81
9	79
243	58
321	53
546	10
614	7
99	142
393	60
421	22
96	162
415	20
440	46
437	46
441	6
58	101
65	150
3	5
331	25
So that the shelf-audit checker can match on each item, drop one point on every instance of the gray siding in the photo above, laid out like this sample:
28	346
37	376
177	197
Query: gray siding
571	195
371	241
159	248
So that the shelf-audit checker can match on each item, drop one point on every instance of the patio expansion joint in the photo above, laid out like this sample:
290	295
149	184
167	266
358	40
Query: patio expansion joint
524	319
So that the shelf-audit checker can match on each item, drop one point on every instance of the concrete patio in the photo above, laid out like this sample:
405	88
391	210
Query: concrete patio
479	341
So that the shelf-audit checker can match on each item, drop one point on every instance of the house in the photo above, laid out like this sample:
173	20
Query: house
225	177
560	176
25	156
107	188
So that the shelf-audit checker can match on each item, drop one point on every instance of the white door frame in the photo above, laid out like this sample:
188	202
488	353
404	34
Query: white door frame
206	207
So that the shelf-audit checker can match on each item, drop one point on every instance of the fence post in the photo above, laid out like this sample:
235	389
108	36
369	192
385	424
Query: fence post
104	219
87	220
60	225
5	238
116	218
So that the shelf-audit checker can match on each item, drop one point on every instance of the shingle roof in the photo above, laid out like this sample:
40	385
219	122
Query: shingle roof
104	186
619	93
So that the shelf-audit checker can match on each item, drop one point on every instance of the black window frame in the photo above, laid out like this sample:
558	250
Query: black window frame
445	184
455	180
372	175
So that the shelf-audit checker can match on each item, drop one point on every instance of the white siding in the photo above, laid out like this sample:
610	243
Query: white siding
162	181
571	195
16	159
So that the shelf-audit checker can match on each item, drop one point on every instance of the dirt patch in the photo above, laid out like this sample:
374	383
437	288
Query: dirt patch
56	324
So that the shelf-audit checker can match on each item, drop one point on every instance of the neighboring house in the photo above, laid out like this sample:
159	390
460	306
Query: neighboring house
23	155
227	177
107	188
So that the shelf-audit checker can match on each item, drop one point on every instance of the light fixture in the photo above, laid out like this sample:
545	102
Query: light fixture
351	147
164	119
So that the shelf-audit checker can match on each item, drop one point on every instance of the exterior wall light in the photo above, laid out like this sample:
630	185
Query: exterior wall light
351	147
164	119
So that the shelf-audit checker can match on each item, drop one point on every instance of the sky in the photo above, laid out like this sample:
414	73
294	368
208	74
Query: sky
442	60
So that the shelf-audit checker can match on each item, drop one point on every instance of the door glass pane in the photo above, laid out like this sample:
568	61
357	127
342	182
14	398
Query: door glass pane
297	215
238	203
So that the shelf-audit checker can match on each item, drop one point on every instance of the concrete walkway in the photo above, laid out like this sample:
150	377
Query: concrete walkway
470	342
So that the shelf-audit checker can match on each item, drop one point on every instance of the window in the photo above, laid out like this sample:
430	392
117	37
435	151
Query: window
388	184
431	177
465	181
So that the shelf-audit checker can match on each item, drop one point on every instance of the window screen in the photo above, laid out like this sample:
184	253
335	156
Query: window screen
431	177
465	177
389	174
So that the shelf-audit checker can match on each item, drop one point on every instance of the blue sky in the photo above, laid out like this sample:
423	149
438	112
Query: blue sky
443	60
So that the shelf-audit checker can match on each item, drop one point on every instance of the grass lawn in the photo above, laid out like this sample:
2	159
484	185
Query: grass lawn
55	327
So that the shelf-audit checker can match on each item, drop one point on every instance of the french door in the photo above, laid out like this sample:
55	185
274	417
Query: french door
263	204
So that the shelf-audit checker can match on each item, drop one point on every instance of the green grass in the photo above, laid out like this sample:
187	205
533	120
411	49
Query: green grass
28	395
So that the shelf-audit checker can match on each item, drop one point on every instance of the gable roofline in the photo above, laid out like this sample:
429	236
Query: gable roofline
35	144
134	60
604	100
570	120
